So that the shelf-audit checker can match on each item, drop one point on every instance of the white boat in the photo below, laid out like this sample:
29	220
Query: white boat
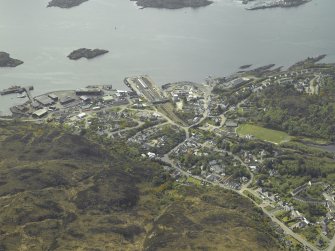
22	95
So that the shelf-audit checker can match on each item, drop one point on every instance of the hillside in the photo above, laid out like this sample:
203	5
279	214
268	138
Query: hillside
64	192
298	113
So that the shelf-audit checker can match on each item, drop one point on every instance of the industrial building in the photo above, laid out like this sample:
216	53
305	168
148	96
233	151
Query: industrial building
40	113
35	105
85	98
107	99
66	100
53	97
88	91
44	100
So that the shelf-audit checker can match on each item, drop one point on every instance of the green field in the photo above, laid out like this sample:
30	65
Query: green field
194	181
262	133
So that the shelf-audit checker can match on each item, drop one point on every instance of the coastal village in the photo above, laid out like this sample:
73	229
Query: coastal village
196	132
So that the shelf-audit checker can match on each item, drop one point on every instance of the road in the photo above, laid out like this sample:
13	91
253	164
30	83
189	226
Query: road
288	231
23	120
331	246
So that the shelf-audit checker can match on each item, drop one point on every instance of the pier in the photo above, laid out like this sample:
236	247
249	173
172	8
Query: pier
18	89
27	89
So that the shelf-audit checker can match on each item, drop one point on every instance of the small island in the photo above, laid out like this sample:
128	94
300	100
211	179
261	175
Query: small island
246	66
172	4
65	3
7	61
86	53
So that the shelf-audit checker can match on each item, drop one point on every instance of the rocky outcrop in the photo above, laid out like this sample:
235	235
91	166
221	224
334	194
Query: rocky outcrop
86	53
7	61
65	3
172	4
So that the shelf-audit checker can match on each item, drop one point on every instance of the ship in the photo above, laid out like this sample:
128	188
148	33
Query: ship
12	89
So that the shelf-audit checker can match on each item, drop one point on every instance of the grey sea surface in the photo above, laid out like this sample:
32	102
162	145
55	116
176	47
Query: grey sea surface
169	45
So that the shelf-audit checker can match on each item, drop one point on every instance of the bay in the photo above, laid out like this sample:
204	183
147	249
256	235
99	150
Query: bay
169	45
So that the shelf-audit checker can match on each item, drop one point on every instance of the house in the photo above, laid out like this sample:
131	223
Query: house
216	169
85	98
211	178
300	224
86	107
81	115
151	155
230	123
296	215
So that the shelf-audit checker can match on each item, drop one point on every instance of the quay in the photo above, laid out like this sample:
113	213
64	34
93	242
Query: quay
144	86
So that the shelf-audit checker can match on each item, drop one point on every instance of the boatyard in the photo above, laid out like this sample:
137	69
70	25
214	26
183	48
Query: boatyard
60	104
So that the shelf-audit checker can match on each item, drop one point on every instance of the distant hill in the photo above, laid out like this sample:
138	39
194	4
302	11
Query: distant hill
64	192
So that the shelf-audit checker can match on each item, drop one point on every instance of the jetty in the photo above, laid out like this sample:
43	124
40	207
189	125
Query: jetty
18	89
27	90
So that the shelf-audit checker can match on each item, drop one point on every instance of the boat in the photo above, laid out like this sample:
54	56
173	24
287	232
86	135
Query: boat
21	95
12	89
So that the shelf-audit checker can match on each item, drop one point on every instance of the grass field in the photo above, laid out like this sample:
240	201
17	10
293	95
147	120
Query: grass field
262	133
194	181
